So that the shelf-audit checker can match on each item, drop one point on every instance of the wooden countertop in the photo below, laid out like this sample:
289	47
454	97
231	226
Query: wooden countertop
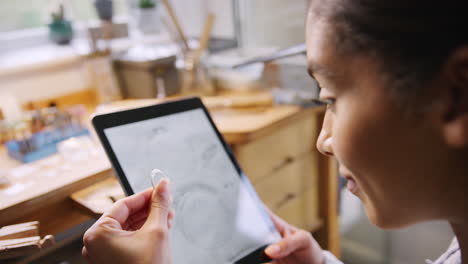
48	181
251	117
39	184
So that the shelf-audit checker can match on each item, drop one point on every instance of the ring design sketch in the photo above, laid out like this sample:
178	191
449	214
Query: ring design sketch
203	219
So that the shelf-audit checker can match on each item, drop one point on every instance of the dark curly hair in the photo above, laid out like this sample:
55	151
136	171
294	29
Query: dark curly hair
410	38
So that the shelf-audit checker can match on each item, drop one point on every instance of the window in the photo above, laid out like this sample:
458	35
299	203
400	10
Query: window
27	14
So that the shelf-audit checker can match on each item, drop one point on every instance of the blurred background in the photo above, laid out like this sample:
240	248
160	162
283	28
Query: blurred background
131	49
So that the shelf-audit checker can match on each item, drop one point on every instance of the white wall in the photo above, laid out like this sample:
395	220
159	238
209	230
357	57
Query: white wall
276	23
193	13
420	242
269	23
224	26
41	84
364	243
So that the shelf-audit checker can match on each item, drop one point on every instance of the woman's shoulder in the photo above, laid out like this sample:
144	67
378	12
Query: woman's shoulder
451	256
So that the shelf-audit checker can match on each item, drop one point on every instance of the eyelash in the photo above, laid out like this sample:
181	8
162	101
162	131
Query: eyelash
328	102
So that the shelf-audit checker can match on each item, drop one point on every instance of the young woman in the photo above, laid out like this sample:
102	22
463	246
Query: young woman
395	77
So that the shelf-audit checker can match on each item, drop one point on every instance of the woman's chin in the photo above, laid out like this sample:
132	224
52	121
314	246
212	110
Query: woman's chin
385	219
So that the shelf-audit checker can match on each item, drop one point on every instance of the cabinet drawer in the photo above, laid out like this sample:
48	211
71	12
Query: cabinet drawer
302	211
263	155
288	182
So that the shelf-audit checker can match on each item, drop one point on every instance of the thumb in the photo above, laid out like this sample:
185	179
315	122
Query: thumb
289	245
160	207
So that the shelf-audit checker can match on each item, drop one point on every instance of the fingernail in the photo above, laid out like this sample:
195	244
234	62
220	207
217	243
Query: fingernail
163	190
167	190
273	250
165	179
163	184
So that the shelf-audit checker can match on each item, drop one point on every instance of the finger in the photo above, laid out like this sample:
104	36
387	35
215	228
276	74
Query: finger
136	226
138	217
126	207
160	207
287	232
137	220
297	241
170	218
171	214
279	223
84	253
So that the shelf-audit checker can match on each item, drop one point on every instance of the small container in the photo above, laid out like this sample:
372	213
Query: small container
138	69
194	75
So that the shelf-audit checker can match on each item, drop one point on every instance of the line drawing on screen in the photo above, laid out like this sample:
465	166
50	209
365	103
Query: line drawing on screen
217	219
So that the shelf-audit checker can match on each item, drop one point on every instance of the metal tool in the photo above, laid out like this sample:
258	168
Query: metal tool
176	23
281	54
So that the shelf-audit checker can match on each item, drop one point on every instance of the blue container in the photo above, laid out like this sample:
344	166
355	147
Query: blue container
43	144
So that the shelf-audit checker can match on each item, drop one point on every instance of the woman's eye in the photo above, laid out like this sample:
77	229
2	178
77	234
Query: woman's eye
328	102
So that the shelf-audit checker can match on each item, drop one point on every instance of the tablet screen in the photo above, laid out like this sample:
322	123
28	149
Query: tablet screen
219	218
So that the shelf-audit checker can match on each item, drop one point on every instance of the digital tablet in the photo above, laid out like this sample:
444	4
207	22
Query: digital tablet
219	217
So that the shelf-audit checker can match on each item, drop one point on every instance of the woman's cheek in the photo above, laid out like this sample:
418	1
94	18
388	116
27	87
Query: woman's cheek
347	140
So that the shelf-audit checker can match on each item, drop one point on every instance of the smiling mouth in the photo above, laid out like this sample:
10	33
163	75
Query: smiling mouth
351	182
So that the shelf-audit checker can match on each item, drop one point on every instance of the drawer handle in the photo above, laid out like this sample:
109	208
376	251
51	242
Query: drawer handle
285	200
283	163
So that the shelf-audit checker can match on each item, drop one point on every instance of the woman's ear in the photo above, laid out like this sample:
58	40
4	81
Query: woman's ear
455	123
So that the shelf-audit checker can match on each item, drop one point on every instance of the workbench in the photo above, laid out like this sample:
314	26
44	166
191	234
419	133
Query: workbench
274	145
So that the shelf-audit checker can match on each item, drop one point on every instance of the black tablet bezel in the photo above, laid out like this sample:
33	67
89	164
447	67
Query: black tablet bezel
114	119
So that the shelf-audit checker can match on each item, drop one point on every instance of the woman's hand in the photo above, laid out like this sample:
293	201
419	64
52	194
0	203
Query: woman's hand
135	230
297	246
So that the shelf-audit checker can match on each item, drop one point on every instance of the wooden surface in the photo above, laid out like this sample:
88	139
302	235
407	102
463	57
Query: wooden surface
329	235
246	118
99	197
281	164
49	183
263	152
87	97
44	186
177	25
276	149
240	126
30	229
43	183
22	240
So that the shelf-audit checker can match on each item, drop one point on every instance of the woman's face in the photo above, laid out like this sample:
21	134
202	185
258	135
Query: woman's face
392	161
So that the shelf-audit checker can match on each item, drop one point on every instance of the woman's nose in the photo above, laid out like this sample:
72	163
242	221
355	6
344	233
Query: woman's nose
325	146
325	139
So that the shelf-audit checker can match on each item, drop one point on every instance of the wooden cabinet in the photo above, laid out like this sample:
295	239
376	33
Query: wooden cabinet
282	166
275	147
292	192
